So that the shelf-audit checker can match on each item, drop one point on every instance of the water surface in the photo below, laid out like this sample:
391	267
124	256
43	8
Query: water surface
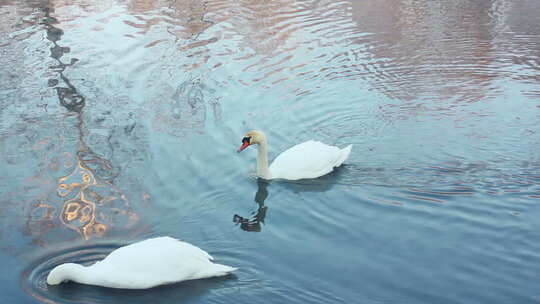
119	121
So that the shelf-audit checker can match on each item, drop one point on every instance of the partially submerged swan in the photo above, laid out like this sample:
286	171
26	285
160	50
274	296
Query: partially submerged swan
145	264
310	159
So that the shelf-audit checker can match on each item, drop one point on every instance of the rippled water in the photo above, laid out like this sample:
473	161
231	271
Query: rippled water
119	121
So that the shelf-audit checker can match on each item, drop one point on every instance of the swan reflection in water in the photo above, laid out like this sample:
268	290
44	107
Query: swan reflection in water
254	224
321	184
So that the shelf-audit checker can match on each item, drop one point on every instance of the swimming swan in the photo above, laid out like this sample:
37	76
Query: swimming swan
145	264
310	159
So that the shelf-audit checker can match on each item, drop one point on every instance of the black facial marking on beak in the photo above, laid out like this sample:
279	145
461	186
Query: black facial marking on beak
246	142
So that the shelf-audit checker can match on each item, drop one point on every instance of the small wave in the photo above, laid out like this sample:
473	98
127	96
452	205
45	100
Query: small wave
34	277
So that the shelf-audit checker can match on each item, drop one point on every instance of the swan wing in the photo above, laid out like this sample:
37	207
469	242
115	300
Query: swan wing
155	262
310	159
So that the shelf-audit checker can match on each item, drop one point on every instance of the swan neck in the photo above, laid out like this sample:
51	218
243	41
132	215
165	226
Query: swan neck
262	160
76	273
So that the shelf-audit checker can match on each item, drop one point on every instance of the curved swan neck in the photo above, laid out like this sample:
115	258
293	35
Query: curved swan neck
262	159
70	272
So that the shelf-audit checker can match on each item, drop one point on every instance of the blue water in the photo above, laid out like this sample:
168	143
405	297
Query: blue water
119	121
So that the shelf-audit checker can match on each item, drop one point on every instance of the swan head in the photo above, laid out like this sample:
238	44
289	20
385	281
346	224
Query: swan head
251	138
63	273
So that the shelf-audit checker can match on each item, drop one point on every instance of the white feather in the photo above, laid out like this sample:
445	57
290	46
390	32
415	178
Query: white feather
146	264
310	159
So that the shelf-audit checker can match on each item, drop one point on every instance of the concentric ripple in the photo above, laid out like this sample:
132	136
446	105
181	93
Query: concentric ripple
34	278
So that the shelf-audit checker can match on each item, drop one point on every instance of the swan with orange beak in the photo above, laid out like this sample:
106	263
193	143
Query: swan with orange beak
310	159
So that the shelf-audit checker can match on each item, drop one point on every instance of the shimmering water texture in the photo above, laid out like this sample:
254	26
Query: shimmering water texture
119	121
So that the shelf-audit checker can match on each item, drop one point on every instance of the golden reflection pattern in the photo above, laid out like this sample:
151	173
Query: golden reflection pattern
92	207
89	203
79	213
78	179
89	206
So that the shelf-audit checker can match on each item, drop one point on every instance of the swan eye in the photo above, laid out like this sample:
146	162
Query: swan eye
246	139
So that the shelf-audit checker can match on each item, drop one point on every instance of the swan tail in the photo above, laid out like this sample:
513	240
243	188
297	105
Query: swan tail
224	269
215	270
344	155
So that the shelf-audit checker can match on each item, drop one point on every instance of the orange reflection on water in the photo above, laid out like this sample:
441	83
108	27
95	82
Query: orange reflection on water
80	178
84	195
79	213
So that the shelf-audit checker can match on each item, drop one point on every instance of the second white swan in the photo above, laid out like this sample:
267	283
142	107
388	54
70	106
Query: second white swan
310	159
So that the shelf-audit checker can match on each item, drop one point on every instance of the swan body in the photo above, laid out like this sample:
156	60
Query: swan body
145	264
310	159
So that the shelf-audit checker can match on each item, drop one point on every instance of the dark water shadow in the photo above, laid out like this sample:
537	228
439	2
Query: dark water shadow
253	224
321	184
33	281
173	293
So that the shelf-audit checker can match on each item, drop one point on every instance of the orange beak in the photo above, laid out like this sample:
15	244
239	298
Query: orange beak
244	145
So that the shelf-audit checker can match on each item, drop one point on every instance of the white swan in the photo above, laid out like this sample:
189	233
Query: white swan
310	159
144	264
